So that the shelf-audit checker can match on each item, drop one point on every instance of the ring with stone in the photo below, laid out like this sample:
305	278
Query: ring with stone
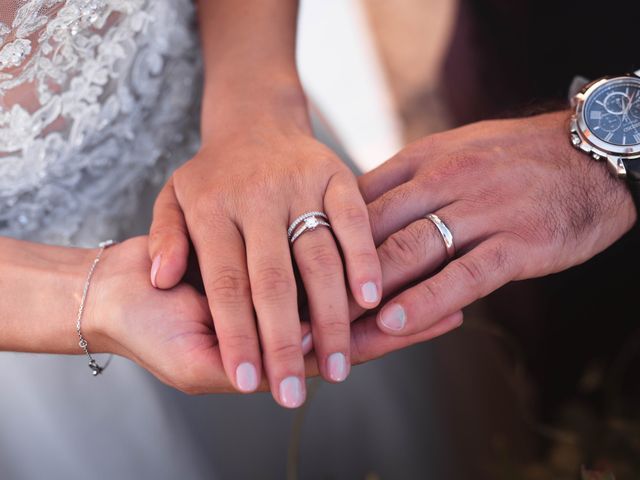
306	222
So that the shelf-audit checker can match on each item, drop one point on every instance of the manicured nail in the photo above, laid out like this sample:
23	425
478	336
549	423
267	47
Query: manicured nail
307	343
370	292
246	377
393	317
337	366
154	270
291	394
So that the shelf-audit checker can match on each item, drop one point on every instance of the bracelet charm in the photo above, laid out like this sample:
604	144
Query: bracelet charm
96	369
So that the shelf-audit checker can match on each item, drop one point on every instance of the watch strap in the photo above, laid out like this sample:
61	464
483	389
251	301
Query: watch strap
632	168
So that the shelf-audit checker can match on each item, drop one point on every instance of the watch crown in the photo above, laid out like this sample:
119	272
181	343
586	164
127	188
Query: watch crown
575	139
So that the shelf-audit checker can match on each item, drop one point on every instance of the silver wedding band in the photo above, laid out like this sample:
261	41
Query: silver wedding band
446	234
307	222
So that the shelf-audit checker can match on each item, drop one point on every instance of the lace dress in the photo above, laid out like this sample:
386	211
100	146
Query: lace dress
98	99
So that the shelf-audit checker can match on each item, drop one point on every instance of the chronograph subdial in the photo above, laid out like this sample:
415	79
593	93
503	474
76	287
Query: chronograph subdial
634	110
610	122
616	103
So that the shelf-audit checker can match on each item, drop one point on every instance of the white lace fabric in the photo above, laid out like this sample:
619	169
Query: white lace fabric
98	99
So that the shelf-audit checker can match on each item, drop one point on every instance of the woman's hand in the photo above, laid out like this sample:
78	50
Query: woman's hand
170	332
235	200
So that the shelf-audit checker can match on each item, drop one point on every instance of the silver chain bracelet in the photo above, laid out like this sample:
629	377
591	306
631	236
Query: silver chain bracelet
84	345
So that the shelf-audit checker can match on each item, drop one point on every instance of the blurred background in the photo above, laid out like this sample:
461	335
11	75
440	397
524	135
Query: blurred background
372	67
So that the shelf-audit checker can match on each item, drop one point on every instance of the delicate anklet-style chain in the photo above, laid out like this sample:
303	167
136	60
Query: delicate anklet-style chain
84	345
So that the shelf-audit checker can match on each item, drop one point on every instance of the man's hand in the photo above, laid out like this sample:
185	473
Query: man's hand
520	201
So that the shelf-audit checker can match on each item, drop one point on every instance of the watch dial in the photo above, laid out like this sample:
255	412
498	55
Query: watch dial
612	112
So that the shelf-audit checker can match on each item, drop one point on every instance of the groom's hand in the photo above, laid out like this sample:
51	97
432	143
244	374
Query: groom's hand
519	200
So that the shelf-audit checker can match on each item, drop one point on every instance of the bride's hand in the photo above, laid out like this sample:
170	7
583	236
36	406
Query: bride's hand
235	200
170	333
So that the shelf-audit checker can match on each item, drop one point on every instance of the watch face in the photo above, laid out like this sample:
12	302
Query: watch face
612	112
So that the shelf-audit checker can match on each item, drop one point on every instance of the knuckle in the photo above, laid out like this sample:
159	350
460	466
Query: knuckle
273	283
455	164
166	232
365	259
229	285
332	328
471	271
265	183
402	249
502	259
352	216
388	204
428	295
499	258
236	340
321	261
283	351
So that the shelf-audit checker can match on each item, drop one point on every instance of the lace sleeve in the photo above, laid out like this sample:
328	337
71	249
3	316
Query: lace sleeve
97	98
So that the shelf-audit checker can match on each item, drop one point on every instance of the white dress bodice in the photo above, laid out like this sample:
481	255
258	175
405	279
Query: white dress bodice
98	98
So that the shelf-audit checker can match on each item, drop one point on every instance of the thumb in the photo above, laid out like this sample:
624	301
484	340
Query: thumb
168	240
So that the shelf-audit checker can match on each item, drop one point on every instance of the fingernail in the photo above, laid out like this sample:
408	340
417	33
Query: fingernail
291	394
337	366
393	317
307	343
246	377
154	270
370	292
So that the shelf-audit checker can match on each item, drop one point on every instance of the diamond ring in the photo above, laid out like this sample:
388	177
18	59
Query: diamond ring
306	223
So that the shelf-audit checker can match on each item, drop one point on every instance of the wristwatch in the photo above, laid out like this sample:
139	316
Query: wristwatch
606	125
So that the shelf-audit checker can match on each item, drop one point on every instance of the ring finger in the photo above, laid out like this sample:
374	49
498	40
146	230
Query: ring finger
320	267
420	249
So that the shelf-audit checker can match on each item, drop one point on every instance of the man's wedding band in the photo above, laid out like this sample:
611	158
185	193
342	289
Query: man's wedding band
306	222
446	234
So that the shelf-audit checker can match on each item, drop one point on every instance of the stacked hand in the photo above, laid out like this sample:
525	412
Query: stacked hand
171	333
234	201
518	199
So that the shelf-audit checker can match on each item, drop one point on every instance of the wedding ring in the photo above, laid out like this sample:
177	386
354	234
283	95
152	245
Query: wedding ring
306	223
446	234
302	218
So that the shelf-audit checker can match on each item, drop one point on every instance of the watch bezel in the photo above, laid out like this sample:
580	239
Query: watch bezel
587	136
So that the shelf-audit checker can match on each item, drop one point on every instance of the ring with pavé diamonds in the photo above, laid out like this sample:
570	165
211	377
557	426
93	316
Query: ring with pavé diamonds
447	236
306	222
